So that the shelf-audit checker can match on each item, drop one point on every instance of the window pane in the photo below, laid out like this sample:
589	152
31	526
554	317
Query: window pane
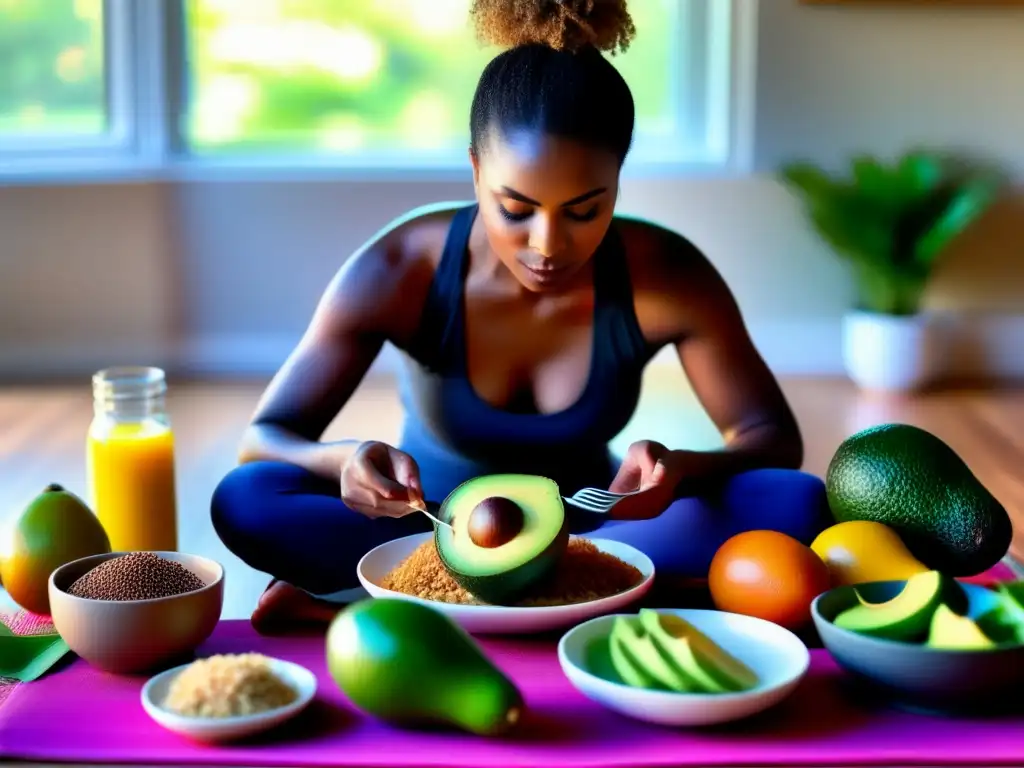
51	68
391	78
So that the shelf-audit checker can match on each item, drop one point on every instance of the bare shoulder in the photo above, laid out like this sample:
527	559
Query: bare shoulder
658	254
382	287
676	288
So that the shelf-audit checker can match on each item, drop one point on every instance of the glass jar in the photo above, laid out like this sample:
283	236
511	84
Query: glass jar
130	457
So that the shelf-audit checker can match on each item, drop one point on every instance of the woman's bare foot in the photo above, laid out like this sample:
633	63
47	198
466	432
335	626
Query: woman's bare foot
283	607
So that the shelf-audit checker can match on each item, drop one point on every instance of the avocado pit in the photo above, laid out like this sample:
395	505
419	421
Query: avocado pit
495	521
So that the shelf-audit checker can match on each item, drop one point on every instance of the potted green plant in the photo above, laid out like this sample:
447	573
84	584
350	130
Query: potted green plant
892	223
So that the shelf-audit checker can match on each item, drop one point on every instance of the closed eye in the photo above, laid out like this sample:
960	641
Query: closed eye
585	216
506	213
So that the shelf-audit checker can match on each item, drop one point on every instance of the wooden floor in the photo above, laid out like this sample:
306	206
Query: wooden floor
42	432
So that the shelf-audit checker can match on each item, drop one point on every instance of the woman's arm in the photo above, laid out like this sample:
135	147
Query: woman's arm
740	394
375	297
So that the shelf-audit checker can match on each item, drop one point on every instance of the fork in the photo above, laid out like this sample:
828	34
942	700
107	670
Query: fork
588	499
596	499
422	507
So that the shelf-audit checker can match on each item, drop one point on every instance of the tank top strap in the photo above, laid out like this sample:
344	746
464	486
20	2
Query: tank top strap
619	329
432	345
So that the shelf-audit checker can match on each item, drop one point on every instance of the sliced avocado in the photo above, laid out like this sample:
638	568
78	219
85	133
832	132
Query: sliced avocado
951	631
1001	624
620	644
642	661
695	655
913	482
508	533
904	617
1004	620
1012	593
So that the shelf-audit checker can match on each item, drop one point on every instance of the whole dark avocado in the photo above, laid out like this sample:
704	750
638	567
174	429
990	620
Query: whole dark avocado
910	480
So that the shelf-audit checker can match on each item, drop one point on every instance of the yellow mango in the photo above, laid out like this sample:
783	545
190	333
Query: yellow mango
859	551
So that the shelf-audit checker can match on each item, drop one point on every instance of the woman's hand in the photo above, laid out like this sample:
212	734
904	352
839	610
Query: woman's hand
656	472
381	481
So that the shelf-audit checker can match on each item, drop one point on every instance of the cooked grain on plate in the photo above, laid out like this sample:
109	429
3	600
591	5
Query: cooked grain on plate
228	685
584	573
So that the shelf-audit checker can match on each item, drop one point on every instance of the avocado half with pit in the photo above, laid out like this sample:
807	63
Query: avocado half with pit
508	533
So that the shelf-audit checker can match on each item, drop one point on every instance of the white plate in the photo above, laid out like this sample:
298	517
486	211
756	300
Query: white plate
492	619
154	692
778	657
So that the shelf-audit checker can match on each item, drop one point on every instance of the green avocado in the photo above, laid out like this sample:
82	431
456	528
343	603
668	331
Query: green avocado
508	533
640	663
906	616
1012	593
951	631
410	665
622	644
709	667
1004	620
913	482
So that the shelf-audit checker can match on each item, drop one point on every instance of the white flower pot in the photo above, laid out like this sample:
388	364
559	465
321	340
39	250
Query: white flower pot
890	353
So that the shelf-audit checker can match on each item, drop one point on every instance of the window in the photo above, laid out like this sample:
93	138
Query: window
179	86
52	57
64	100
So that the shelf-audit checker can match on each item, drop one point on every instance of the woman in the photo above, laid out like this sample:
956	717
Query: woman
526	319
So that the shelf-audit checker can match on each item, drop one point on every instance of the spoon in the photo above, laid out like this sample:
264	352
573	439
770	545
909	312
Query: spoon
422	507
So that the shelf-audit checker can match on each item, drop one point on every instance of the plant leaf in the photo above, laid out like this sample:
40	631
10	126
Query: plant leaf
965	206
883	288
836	229
920	173
883	186
812	183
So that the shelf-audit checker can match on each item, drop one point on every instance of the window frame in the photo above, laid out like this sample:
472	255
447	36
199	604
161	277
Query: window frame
145	66
117	151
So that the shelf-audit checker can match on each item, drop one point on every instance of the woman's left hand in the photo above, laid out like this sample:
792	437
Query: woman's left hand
656	472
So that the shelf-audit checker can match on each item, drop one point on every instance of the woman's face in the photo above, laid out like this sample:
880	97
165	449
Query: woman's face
546	204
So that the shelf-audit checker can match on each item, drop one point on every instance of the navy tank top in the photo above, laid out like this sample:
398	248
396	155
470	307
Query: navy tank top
455	435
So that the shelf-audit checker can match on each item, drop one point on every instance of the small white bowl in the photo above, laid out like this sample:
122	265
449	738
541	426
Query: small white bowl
506	620
216	729
779	658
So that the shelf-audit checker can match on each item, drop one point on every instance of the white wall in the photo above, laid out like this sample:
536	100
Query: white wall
225	275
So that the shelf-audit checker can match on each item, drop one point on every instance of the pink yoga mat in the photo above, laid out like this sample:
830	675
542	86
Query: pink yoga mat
77	714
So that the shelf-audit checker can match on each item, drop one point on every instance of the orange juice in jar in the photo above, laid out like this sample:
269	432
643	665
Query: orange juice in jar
130	457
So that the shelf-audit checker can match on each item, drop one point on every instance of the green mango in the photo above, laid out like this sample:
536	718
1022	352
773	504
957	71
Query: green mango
408	664
56	528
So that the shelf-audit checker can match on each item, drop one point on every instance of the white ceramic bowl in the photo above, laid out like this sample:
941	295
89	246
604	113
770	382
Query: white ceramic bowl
779	658
488	619
154	692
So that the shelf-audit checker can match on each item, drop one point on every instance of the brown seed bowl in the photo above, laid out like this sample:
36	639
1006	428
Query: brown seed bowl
135	636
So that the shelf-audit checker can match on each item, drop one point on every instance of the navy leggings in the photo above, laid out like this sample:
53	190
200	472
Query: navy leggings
291	524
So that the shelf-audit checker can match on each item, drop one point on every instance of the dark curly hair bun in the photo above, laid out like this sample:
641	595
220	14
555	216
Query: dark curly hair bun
564	25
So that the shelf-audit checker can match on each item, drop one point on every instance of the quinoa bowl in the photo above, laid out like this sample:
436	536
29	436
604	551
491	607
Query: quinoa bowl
596	576
135	612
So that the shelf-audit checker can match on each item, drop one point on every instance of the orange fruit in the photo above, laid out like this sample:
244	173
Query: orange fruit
769	575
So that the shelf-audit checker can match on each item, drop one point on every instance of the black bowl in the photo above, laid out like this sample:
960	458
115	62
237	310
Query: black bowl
914	676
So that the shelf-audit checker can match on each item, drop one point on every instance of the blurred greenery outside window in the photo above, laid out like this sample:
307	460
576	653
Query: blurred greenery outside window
52	69
351	81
